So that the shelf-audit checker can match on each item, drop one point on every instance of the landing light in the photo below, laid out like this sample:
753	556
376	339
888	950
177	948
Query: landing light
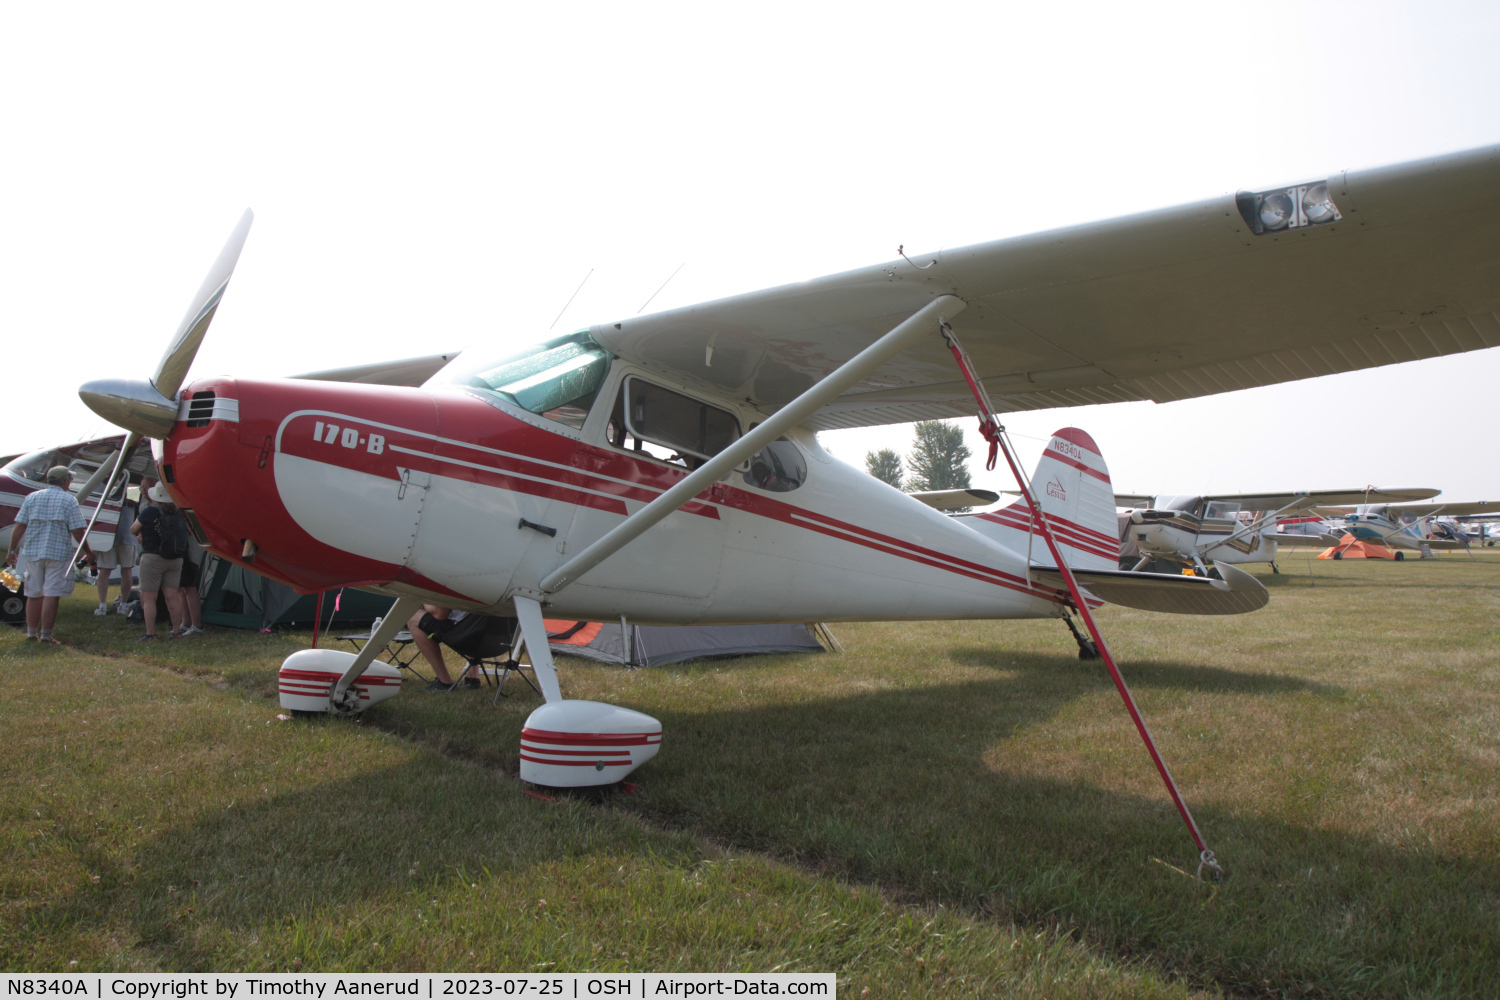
1288	208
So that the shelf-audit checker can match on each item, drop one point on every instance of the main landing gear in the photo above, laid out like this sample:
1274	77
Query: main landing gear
1086	648
1274	568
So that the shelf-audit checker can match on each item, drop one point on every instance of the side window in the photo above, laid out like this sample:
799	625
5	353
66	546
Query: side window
778	468
669	425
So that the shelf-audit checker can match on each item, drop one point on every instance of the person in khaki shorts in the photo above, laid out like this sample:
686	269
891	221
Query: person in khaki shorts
40	540
158	575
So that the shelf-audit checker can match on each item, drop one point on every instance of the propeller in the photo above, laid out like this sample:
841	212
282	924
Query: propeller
149	408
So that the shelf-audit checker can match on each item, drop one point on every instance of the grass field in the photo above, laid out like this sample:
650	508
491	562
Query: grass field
947	809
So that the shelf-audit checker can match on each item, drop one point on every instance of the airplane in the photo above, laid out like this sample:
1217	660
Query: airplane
1233	528
666	466
90	461
1407	527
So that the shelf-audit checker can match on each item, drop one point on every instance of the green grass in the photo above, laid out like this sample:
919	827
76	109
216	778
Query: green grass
1340	749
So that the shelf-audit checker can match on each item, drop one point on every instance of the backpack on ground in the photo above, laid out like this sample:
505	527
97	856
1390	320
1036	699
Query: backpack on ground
174	536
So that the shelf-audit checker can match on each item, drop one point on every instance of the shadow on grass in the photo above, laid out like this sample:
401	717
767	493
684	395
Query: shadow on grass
1088	674
913	789
353	857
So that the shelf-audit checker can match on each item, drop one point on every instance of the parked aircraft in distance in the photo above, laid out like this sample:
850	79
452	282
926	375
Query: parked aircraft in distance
1406	527
1232	527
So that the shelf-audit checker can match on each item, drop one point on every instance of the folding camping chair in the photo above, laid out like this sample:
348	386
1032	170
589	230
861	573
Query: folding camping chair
488	645
400	653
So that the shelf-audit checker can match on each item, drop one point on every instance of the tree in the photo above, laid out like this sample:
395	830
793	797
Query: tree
939	459
884	465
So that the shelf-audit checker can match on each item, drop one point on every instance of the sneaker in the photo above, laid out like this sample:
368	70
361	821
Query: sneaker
471	683
148	637
436	686
102	610
192	630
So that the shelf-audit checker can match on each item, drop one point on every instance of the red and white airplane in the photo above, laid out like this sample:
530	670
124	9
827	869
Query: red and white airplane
666	467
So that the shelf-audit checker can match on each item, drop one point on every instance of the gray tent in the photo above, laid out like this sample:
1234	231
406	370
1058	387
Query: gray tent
653	645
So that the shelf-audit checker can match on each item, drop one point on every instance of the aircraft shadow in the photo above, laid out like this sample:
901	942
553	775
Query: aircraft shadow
1081	674
911	788
914	789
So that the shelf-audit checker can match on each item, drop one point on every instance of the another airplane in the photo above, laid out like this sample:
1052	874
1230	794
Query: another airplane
1231	527
666	466
90	461
1407	527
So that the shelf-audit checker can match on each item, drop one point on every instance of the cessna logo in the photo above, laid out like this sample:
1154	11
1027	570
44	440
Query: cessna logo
1054	489
1067	448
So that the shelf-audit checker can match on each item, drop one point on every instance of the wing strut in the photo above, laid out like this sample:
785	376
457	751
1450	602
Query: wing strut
994	433
804	406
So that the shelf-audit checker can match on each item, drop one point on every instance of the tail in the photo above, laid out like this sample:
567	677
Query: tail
1071	484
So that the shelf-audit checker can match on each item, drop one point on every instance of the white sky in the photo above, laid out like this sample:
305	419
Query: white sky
429	176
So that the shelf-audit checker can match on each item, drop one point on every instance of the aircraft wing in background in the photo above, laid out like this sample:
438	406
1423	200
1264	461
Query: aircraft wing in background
408	371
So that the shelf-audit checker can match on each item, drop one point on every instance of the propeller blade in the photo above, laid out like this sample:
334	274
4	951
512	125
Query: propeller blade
172	370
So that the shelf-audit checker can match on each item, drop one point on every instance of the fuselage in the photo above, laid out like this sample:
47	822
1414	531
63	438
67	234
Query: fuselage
458	497
1190	535
1374	524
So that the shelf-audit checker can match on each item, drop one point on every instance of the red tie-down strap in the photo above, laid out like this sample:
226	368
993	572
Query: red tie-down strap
994	433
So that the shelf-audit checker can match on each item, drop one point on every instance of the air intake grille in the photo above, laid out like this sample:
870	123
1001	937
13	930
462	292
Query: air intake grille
201	409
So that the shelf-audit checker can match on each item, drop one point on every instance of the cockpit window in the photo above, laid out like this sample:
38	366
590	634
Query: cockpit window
35	465
778	468
558	380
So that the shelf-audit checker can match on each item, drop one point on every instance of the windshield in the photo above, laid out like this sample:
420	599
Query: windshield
557	379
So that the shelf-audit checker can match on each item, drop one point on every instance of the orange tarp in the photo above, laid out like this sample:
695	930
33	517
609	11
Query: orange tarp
1350	548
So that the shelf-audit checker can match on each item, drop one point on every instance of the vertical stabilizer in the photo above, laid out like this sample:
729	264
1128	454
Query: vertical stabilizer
1072	485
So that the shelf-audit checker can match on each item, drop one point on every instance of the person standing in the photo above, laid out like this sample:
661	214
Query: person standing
46	522
121	555
161	559
192	604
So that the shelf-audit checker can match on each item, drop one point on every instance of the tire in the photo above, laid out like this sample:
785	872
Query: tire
1338	555
12	606
1400	556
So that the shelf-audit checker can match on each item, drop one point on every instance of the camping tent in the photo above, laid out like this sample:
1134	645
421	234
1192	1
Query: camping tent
653	645
235	597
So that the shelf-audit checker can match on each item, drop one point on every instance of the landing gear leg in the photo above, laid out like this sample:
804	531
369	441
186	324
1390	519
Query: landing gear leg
1086	648
1274	568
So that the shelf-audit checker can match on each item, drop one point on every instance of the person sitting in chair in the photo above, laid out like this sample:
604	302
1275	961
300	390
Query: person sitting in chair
473	636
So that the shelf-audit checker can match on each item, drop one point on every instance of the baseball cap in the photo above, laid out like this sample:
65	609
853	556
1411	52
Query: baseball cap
59	474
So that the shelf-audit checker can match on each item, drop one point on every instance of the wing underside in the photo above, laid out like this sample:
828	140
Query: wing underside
1168	305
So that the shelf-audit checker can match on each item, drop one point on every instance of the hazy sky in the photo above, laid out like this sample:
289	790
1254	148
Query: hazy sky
426	177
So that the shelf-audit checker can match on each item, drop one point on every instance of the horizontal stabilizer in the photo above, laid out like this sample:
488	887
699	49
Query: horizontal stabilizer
953	499
1309	541
1237	593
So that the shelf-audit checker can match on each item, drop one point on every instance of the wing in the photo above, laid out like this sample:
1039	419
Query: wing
955	499
1314	499
409	371
1237	593
1167	305
1134	499
1447	509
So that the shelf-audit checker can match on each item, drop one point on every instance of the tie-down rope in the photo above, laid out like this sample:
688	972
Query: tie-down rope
999	441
